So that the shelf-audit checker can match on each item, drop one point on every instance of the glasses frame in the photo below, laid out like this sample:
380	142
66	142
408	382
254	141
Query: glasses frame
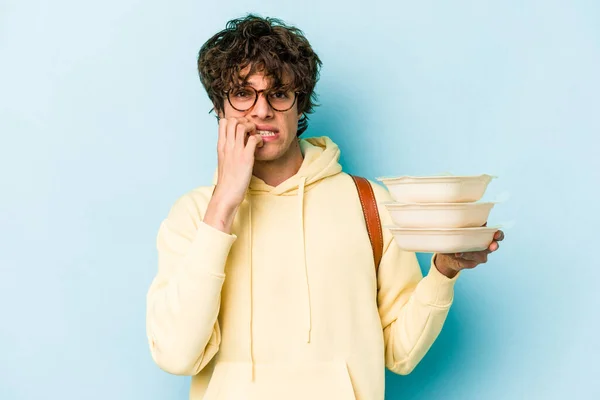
258	93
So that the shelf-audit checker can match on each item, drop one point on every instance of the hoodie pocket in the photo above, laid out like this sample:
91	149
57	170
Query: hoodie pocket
298	381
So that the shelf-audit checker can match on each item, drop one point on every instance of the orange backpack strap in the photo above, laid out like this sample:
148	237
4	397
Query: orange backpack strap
369	206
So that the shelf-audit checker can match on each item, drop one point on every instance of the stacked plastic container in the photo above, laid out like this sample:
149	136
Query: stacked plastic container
441	214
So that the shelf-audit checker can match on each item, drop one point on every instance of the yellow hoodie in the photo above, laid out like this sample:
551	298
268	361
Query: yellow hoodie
288	306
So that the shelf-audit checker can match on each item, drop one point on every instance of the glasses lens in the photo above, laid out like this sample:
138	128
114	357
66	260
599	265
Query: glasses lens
242	98
282	100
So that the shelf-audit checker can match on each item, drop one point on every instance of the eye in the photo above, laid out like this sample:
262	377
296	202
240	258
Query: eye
279	95
242	93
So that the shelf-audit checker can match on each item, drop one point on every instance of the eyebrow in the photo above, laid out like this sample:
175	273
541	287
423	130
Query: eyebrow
268	88
245	83
242	83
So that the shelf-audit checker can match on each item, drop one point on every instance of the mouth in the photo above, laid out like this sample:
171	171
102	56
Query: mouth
266	133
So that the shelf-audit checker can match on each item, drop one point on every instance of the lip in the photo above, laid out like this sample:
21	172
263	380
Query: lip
271	128
267	139
267	128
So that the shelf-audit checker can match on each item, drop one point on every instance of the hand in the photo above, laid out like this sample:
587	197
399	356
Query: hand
450	264
236	145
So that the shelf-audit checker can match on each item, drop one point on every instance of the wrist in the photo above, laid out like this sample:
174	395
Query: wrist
223	205
220	214
440	262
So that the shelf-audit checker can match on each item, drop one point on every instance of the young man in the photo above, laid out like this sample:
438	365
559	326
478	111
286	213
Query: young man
266	285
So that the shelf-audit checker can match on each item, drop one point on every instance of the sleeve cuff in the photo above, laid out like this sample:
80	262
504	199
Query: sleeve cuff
209	250
436	289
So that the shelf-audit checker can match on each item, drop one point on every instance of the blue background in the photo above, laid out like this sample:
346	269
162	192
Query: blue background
104	125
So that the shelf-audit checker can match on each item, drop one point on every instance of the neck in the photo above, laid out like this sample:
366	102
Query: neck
276	171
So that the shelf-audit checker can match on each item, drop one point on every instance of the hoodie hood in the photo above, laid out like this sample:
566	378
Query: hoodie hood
321	160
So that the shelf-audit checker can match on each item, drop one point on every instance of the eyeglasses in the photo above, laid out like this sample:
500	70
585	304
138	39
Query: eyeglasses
245	97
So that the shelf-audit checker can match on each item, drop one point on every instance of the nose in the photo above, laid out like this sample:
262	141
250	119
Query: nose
262	109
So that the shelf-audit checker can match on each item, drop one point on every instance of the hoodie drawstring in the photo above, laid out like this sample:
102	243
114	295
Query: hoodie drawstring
304	264
251	285
308	308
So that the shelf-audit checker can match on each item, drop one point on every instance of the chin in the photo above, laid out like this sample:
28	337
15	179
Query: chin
266	157
268	153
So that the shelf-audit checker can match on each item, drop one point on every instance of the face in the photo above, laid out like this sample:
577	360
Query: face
278	128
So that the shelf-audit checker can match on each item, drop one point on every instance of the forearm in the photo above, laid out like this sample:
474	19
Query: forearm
414	316
184	300
412	334
182	321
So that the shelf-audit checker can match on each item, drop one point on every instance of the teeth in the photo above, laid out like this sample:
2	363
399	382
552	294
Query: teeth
266	133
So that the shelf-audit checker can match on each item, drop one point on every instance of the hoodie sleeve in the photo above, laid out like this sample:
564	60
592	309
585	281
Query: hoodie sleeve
184	298
412	308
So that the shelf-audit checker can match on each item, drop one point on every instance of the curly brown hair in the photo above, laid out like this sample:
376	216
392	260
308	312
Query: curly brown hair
280	51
